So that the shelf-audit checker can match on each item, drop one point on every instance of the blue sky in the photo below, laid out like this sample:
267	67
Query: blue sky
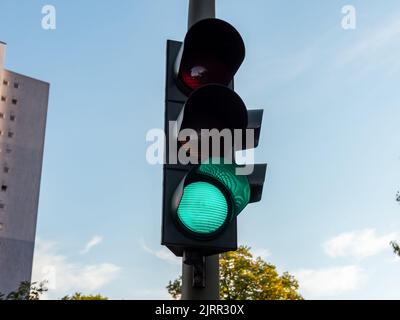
330	136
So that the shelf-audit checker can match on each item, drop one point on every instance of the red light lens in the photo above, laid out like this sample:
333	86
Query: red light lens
199	72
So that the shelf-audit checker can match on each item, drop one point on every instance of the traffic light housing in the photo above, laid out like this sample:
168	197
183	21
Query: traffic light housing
212	52
201	201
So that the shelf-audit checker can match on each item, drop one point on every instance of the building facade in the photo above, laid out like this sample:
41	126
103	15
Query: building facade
23	111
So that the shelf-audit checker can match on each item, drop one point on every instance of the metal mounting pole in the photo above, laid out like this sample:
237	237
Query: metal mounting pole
200	277
199	10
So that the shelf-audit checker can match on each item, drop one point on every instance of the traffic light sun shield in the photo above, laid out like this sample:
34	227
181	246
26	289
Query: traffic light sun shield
212	52
237	186
214	107
209	197
216	117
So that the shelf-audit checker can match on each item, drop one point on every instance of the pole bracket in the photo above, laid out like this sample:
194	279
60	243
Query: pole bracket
198	263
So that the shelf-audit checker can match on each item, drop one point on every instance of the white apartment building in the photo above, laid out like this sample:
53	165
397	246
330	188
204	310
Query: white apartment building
23	111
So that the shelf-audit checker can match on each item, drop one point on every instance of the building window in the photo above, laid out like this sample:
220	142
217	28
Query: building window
1	115
14	101
6	169
12	117
4	188
16	85
3	99
2	206
5	82
10	134
8	150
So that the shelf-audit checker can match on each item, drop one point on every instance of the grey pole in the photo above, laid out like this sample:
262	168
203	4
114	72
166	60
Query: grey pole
210	291
199	10
206	288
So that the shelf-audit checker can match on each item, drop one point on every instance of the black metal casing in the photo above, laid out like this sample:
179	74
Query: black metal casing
173	174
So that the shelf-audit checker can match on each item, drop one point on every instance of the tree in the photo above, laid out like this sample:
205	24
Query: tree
26	291
33	291
80	296
243	277
395	245
175	288
396	248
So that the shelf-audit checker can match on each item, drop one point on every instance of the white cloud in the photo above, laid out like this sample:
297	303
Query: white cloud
318	283
358	244
162	254
375	49
286	68
151	294
373	42
96	240
67	277
261	252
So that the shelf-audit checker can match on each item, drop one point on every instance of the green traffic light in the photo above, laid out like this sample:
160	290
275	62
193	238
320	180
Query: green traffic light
238	186
203	208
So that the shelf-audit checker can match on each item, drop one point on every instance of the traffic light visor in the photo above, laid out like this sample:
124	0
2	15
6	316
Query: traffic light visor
214	107
212	52
238	186
210	197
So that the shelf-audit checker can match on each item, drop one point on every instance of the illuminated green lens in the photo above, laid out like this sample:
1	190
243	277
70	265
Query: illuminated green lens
238	186
203	208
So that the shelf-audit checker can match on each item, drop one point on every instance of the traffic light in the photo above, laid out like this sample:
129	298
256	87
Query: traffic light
204	193
212	52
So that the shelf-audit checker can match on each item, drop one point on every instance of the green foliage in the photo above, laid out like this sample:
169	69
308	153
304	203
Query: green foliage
33	291
80	296
26	291
243	277
174	288
396	248
395	245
